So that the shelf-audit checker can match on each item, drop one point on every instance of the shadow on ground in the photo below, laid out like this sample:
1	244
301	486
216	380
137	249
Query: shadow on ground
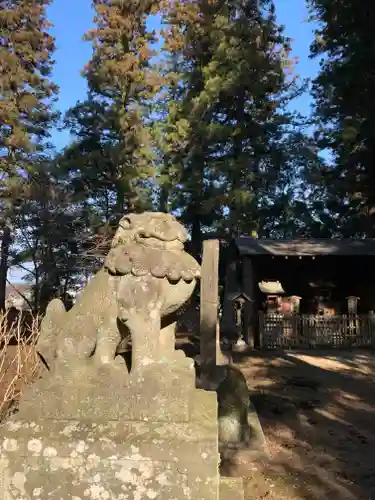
317	409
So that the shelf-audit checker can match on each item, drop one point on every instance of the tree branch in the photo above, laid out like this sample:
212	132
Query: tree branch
23	296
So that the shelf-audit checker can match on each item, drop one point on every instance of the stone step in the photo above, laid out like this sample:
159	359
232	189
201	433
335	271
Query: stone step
231	488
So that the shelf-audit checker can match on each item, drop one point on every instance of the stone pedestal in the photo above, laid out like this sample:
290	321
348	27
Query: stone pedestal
123	460
162	392
94	441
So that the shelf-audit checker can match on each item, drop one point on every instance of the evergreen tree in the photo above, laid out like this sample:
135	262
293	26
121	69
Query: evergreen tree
228	131
26	100
49	235
111	159
186	142
249	80
345	112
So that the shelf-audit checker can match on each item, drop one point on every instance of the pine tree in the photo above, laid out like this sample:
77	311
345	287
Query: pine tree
112	156
248	80
187	130
228	131
345	112
26	105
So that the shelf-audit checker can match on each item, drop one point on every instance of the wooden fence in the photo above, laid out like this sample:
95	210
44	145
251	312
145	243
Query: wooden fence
309	330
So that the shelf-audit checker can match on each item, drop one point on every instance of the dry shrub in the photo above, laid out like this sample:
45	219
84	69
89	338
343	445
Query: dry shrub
19	362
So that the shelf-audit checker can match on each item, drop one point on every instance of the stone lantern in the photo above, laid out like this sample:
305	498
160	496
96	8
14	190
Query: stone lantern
352	304
295	301
239	299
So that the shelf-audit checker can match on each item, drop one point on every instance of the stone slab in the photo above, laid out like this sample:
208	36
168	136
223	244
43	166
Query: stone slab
231	488
164	393
257	447
119	460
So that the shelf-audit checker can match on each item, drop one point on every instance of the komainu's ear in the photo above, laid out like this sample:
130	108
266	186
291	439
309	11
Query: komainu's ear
125	222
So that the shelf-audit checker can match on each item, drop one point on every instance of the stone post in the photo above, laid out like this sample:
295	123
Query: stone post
210	350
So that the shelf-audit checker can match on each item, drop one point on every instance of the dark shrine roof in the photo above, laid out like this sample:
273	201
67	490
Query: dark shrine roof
305	247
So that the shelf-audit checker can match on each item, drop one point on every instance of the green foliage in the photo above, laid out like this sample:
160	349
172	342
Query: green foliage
26	106
345	111
111	158
49	229
26	62
226	131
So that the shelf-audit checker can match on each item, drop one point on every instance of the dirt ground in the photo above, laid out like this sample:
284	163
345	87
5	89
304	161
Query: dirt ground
317	410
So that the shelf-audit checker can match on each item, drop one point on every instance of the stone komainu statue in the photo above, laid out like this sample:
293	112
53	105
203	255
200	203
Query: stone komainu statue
146	276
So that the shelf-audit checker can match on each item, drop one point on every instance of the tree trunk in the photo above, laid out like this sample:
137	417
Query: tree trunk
163	200
120	203
196	238
4	258
234	214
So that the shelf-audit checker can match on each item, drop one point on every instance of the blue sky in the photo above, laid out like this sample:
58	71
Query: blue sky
72	52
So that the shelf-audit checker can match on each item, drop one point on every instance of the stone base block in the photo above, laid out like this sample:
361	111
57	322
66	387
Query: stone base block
115	460
163	393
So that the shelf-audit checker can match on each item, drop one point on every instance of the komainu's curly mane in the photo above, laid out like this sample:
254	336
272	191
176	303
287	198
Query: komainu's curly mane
151	244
